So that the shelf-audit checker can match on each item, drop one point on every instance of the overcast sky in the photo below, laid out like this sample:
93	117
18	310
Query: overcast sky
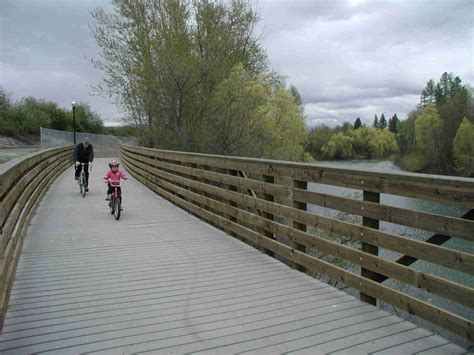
349	59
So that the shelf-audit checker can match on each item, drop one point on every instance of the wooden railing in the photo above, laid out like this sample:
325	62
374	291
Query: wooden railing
22	185
265	203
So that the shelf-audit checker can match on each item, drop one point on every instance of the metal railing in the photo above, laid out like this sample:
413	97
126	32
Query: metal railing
105	146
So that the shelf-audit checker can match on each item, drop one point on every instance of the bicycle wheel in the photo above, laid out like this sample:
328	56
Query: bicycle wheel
118	208
83	184
112	205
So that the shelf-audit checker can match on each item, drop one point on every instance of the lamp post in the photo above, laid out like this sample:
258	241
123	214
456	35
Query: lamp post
74	120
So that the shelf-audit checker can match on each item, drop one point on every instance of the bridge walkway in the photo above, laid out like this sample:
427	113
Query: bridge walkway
162	281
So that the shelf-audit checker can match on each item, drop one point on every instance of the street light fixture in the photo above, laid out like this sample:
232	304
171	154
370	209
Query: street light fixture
74	120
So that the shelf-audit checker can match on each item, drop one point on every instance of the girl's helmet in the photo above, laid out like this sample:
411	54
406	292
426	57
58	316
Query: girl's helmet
113	164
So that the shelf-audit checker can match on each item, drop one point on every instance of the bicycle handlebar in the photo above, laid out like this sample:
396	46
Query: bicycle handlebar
89	164
116	185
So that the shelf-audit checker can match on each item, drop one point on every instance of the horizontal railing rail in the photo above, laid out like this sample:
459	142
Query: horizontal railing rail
23	183
265	203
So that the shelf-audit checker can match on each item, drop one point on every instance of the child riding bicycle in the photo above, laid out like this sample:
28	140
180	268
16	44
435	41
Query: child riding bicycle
113	177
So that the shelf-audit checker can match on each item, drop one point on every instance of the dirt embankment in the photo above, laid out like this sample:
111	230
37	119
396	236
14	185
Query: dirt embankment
14	147
19	141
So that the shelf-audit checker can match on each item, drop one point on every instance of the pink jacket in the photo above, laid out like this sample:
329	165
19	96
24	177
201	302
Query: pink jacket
115	177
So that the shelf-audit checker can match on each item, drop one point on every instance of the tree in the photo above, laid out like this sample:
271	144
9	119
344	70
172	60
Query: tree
318	137
297	96
453	102
86	119
428	130
382	122
393	124
346	128
233	130
376	122
463	149
357	123
407	138
5	101
282	129
371	142
338	147
385	144
164	60
428	94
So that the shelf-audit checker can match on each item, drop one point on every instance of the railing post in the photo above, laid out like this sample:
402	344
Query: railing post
232	203
298	184
369	248
267	197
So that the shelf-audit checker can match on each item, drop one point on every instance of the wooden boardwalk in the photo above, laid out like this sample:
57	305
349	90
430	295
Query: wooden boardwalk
162	281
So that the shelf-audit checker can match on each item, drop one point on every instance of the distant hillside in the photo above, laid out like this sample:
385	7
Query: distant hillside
19	141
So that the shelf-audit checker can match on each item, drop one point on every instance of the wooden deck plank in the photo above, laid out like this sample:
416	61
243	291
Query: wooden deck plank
161	280
443	350
409	333
391	330
424	344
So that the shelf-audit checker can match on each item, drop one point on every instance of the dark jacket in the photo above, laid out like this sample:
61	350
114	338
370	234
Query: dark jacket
83	155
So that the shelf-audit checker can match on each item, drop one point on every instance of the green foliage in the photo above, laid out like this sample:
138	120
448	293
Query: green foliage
297	96
124	131
193	76
232	129
452	101
346	128
428	130
463	149
318	137
413	162
382	122
370	142
406	137
29	114
428	93
394	124
386	144
86	119
366	142
376	122
339	147
283	132
357	123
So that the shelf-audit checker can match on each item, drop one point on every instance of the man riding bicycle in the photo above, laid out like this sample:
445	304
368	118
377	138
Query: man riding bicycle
83	153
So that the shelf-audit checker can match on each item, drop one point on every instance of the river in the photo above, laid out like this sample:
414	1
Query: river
409	203
398	201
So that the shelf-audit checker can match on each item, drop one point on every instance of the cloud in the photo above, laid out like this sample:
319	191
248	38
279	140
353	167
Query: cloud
356	59
348	59
45	46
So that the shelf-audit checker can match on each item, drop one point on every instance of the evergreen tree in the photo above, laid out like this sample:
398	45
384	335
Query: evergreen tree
428	93
376	121
393	124
382	122
357	123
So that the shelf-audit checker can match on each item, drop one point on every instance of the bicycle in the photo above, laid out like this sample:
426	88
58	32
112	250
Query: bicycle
82	179
115	202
